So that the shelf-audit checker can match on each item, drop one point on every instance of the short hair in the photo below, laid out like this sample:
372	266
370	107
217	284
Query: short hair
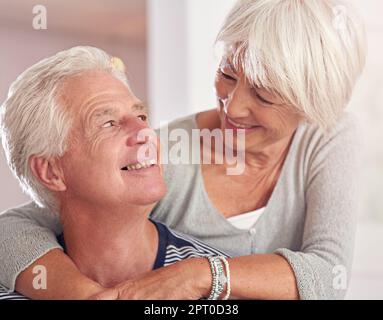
33	120
310	53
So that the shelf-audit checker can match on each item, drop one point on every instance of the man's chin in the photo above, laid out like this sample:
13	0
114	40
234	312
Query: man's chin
151	195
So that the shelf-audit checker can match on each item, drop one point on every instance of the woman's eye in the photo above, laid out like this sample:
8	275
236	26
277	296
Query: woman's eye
108	124
226	76
263	100
143	117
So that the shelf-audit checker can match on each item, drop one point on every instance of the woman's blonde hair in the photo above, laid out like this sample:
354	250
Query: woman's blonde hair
309	52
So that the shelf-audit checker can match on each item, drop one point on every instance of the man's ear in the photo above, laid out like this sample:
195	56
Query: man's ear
49	172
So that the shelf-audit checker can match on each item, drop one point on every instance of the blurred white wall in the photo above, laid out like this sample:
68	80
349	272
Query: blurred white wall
182	63
367	102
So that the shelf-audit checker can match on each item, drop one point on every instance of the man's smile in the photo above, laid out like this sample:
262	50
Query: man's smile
140	165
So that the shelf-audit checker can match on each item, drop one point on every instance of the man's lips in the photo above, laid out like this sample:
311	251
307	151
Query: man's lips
145	156
140	165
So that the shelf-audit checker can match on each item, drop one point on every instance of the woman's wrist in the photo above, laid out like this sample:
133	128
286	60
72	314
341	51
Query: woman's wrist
200	275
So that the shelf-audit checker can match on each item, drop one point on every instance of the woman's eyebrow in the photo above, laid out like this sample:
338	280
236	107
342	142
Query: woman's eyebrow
229	65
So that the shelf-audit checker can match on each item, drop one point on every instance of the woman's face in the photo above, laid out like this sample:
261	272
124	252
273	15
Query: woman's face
264	117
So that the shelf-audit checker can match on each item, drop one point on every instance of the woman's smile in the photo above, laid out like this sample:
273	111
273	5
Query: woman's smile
233	125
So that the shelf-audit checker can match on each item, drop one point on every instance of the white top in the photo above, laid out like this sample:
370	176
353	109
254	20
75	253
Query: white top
246	221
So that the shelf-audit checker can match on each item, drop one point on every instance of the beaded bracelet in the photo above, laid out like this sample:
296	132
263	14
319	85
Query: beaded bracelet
228	285
219	278
218	282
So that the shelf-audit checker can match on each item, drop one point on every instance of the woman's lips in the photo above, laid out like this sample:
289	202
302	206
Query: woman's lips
230	124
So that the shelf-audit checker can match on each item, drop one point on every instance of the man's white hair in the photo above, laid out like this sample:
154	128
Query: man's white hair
310	52
33	122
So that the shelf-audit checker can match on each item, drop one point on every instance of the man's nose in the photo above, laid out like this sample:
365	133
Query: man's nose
138	132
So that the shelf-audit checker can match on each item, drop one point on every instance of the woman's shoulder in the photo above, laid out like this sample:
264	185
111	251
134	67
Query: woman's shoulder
346	133
341	145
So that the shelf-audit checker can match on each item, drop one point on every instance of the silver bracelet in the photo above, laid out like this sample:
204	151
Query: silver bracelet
228	285
218	276
213	270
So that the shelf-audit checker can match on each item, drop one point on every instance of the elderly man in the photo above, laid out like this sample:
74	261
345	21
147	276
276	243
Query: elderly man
71	132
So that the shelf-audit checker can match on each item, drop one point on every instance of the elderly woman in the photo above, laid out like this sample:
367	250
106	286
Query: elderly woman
289	219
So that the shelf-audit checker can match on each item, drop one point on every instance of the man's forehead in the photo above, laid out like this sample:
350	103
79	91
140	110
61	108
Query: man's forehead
92	82
87	93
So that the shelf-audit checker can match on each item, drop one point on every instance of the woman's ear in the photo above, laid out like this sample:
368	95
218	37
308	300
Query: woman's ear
49	172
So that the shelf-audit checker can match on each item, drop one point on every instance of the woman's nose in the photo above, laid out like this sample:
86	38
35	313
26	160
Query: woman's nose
238	104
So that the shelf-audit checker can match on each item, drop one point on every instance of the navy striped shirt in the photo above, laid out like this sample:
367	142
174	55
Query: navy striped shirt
172	247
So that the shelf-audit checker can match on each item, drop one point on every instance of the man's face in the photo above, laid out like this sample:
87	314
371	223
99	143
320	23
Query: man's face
103	142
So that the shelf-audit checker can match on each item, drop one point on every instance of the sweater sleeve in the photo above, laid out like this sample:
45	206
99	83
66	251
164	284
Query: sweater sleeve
26	234
322	266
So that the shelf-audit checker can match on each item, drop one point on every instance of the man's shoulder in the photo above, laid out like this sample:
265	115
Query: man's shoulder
175	246
5	295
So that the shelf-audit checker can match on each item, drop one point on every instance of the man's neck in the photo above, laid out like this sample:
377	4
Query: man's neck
109	246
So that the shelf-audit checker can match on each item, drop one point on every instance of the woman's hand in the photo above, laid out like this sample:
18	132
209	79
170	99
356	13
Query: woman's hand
189	279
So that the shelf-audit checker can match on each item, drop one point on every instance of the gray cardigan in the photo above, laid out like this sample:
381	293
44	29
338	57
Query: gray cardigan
310	218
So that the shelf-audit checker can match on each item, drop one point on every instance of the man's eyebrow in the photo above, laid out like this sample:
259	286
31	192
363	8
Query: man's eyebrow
139	107
110	110
103	111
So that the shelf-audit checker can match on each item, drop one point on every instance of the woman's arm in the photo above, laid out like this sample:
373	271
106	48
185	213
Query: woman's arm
264	276
63	280
28	239
271	278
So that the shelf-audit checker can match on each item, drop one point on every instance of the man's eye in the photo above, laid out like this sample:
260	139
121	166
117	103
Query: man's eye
108	124
143	117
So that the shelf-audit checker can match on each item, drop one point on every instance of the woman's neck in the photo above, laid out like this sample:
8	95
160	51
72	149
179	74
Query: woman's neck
269	158
109	246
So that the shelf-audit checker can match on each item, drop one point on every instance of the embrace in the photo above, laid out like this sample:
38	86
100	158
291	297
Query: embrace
109	221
